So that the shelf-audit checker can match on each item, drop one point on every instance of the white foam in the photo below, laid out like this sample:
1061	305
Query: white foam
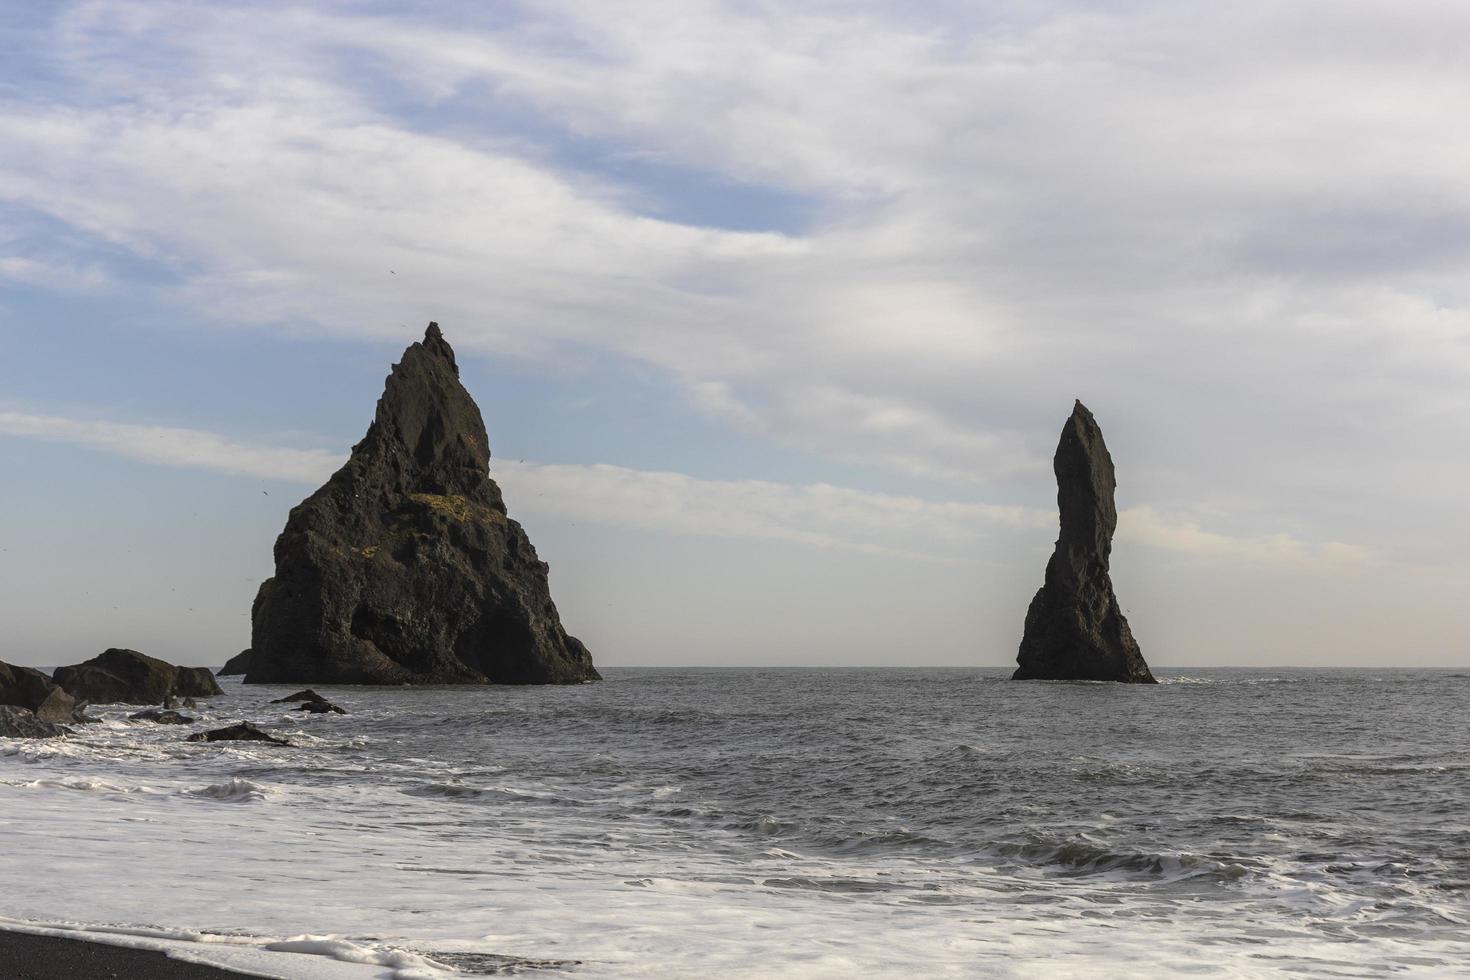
406	965
230	791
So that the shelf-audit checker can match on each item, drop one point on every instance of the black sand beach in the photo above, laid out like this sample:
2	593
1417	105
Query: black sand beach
24	956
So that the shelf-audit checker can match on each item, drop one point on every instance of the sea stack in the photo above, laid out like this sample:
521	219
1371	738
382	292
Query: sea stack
1074	628
404	568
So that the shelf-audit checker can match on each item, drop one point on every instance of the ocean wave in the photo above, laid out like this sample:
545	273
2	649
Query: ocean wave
80	785
764	825
1084	857
405	965
837	883
459	791
230	791
881	841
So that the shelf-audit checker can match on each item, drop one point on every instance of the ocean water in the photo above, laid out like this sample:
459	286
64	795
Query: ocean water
758	823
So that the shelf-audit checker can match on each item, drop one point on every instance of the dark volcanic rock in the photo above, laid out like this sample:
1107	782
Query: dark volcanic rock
162	716
311	702
306	695
321	708
1074	628
238	664
243	732
129	677
195	682
403	567
20	723
28	688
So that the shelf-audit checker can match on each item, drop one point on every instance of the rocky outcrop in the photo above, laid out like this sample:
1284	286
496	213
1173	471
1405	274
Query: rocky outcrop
161	716
404	568
28	688
238	664
321	708
22	723
1074	628
243	732
129	677
311	702
306	695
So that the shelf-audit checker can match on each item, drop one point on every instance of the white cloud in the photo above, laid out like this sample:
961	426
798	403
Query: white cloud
818	515
174	446
1143	525
1237	230
52	274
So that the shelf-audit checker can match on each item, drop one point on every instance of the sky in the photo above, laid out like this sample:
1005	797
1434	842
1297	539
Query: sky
774	311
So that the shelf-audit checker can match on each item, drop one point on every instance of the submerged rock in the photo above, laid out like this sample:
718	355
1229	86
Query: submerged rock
321	708
129	677
1074	628
403	567
243	732
28	688
21	723
161	716
311	702
238	664
306	695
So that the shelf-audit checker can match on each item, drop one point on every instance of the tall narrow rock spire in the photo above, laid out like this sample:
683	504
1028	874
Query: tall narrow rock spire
1074	628
403	567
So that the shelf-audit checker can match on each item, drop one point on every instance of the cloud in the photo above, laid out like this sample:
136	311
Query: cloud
816	515
174	446
819	515
1237	230
1143	525
52	274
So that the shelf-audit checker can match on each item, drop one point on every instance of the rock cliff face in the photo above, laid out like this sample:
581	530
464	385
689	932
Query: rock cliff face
403	567
1074	628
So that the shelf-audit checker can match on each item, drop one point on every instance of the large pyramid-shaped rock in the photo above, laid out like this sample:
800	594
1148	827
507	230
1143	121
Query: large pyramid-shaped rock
404	567
1074	628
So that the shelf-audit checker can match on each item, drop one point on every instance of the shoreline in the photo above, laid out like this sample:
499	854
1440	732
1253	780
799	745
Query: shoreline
34	956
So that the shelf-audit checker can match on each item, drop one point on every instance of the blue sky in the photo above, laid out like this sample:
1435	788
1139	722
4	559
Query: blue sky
774	311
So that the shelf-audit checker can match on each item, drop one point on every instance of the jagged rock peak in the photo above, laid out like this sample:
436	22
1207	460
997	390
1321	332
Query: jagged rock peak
429	422
1085	485
404	567
1074	627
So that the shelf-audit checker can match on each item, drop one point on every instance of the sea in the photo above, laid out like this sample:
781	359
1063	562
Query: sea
771	823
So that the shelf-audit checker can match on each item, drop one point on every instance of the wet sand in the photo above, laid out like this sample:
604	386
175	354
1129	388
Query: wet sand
24	956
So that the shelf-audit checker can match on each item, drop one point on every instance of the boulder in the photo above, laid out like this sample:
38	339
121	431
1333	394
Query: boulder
21	723
129	677
195	682
311	702
28	688
321	708
1074	628
243	732
238	664
161	716
404	567
306	695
